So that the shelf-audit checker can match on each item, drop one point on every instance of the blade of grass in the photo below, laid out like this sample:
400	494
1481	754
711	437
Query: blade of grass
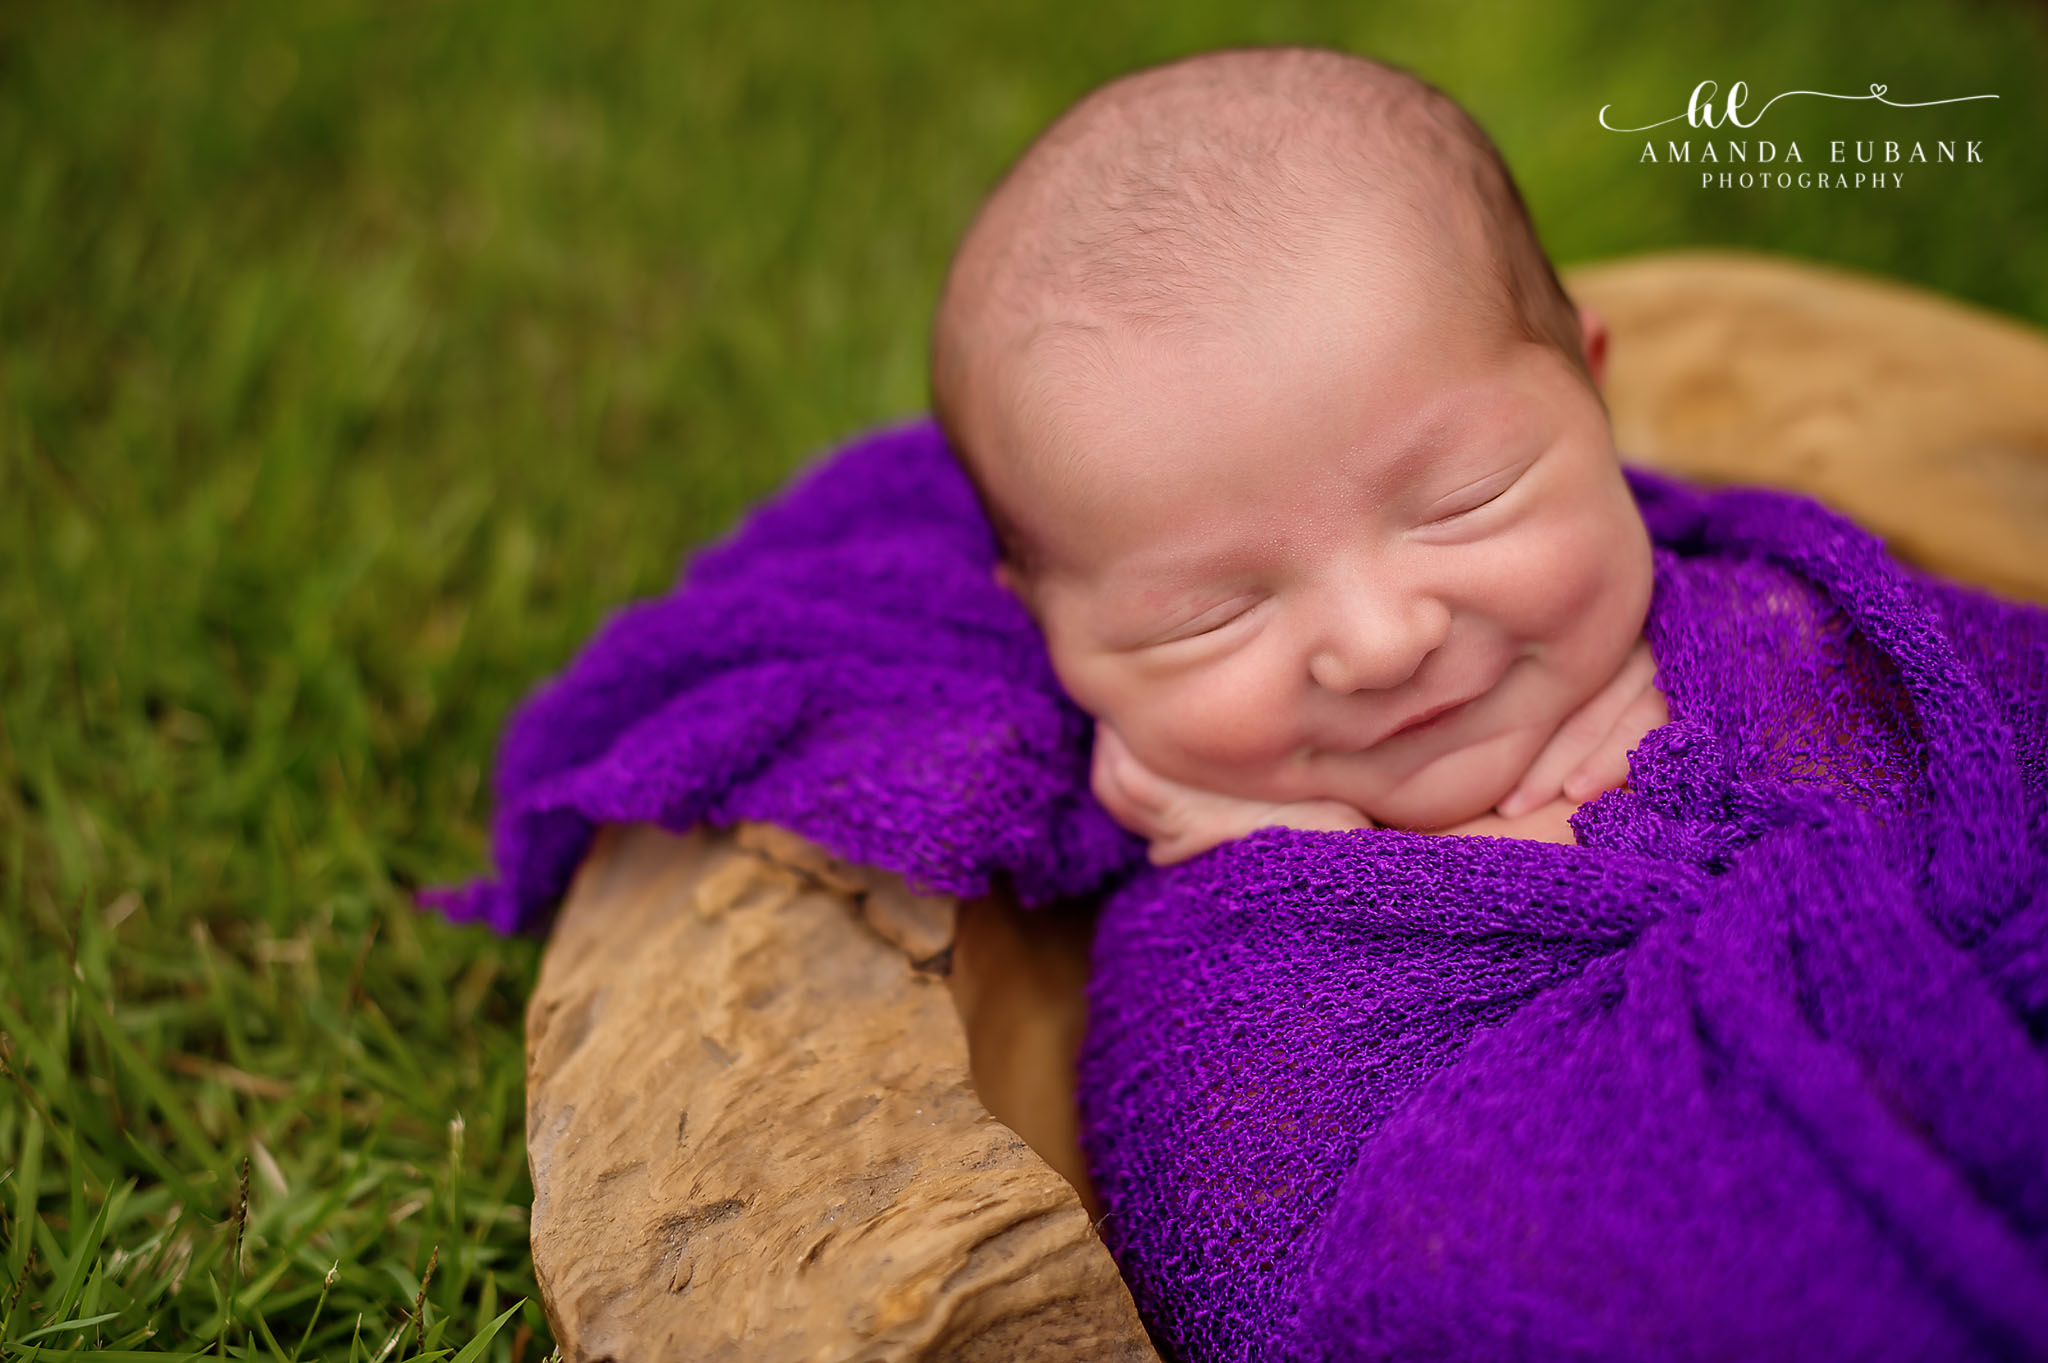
472	1351
87	1248
198	1148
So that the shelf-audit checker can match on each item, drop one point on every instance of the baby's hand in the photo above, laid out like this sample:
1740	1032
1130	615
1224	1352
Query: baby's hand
1180	821
1589	752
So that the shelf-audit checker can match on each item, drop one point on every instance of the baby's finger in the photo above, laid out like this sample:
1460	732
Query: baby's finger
1646	712
1609	767
1139	784
1115	783
1604	770
1184	833
1581	736
1530	793
1544	780
1113	758
1197	832
1319	816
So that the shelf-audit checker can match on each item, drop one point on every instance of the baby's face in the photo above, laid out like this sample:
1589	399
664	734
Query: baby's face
1281	549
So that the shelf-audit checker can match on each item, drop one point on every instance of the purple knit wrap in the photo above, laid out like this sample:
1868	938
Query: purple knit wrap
1753	1071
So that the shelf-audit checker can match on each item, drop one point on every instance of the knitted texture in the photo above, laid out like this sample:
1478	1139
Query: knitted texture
1755	1070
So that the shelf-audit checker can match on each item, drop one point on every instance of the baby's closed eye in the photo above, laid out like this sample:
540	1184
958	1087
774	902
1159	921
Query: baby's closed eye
1212	620
1487	493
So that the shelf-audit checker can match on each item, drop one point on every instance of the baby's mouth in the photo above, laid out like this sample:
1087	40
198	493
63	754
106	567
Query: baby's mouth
1441	716
1444	715
1435	717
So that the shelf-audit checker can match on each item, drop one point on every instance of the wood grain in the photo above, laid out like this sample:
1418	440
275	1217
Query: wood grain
754	1136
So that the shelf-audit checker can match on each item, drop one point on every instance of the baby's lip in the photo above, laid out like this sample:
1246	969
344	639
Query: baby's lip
1427	715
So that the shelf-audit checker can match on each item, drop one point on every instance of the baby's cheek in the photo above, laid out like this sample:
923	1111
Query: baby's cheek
1554	576
1223	720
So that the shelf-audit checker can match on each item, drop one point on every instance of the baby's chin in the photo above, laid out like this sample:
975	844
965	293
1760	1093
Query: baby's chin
1428	811
1459	785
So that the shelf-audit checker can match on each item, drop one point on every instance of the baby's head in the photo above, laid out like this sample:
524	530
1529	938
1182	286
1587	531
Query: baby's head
1290	435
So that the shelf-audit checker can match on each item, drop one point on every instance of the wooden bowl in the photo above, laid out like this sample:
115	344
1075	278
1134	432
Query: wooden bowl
779	1108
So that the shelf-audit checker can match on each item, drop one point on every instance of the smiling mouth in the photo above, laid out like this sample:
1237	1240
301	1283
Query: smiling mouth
1430	718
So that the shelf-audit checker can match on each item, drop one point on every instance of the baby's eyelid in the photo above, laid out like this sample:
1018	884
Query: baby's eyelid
1242	606
1491	498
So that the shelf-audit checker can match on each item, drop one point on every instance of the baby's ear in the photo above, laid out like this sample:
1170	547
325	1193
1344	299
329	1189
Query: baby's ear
1593	344
1017	582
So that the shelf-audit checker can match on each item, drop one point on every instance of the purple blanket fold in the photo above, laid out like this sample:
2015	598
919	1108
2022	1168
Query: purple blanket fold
1755	1070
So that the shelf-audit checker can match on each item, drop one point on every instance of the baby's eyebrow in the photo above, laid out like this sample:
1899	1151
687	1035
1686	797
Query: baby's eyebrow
1166	594
1443	437
1190	574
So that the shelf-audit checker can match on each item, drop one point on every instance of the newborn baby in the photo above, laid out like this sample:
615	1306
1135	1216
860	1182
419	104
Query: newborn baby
1296	453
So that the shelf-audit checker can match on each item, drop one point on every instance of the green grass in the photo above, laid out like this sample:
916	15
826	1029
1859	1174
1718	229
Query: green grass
356	360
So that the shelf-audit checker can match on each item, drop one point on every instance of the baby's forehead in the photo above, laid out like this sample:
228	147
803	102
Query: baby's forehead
1201	284
1155	259
1069	385
1158	455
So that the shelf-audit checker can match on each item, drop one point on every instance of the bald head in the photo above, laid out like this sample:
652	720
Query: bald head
1169	202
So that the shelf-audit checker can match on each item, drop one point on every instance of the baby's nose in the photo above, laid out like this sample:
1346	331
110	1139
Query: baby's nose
1365	649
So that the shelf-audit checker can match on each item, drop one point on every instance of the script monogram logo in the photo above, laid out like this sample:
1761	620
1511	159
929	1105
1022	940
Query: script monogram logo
1701	113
